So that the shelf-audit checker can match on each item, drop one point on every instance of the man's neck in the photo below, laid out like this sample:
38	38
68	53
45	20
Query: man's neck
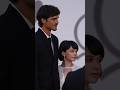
28	12
47	31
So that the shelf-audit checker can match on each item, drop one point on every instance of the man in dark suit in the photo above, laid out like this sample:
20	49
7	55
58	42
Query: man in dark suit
17	46
47	49
74	80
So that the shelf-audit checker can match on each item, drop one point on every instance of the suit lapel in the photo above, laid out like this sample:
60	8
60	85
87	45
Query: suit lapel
13	13
55	45
43	39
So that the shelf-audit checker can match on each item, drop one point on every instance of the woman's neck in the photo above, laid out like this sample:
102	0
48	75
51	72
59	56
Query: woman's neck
67	64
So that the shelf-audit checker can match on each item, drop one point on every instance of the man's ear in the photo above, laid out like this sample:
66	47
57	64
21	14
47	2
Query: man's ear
43	20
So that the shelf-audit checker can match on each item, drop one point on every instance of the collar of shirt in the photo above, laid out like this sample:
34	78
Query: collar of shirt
26	20
46	34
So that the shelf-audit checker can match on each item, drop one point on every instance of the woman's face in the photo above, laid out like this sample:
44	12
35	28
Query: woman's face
70	54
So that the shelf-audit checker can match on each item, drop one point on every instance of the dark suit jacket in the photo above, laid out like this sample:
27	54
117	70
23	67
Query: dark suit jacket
74	80
46	62
17	52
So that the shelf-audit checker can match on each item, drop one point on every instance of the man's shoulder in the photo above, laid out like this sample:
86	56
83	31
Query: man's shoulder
39	32
80	70
12	15
74	80
10	10
76	73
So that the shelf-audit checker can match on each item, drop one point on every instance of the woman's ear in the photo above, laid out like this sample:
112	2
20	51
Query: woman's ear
63	54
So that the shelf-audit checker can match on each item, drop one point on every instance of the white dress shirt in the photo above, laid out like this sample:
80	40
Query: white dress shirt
61	74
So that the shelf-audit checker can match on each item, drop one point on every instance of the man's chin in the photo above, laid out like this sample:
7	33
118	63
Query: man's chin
54	29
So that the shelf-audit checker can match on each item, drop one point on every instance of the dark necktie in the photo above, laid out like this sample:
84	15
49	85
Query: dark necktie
49	45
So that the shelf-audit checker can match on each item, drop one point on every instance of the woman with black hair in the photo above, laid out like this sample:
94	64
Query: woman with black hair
67	54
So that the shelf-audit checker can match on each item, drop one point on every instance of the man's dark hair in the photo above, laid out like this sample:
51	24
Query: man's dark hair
47	11
65	45
94	45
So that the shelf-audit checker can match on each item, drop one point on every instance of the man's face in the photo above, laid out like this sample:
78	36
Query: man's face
92	67
51	23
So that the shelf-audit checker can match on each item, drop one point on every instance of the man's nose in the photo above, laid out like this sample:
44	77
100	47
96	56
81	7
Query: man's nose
56	21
